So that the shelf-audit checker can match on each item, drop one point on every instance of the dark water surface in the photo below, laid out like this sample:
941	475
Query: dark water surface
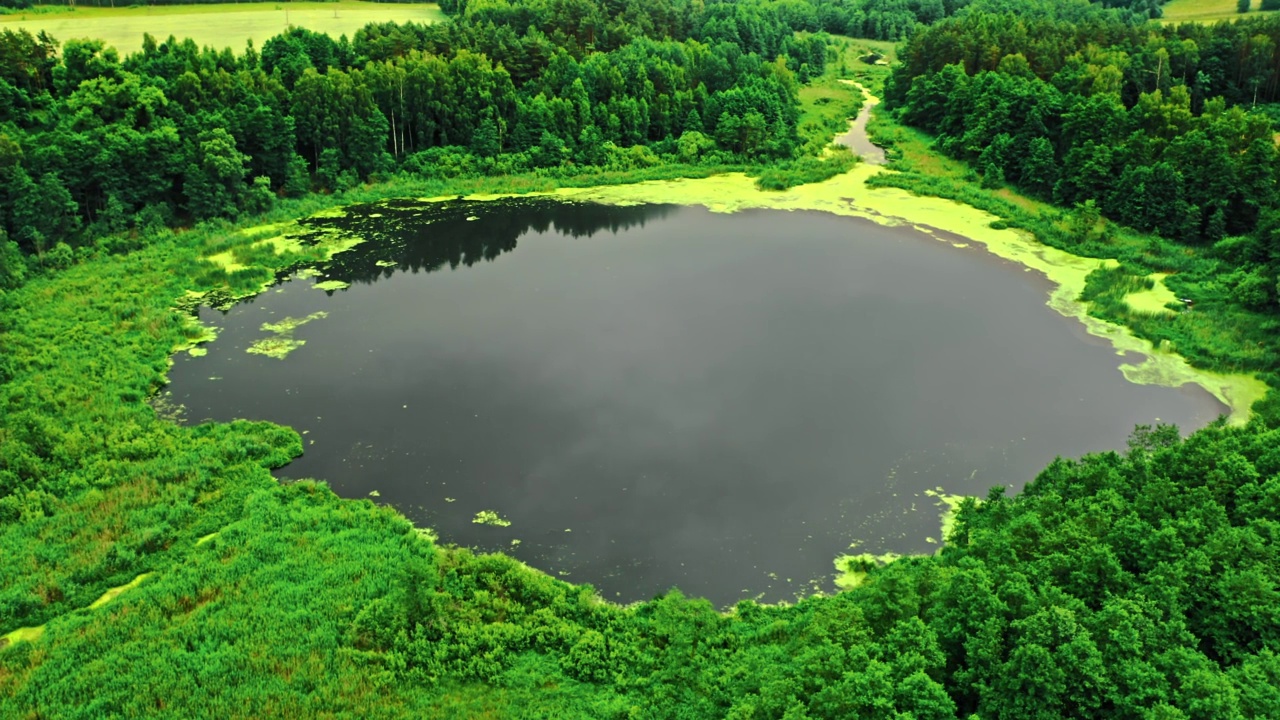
659	396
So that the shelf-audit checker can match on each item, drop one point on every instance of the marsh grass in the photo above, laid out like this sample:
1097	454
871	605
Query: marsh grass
807	170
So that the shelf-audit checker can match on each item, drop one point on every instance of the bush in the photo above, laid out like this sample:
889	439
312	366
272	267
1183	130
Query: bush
807	170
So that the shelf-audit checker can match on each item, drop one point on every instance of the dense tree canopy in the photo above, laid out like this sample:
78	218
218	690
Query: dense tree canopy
1158	127
91	144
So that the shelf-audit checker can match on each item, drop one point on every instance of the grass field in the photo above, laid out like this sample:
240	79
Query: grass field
1205	10
220	25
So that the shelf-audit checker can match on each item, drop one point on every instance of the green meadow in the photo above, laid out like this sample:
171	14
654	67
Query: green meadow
1206	10
219	25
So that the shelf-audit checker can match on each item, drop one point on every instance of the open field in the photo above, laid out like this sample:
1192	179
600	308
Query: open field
220	25
1206	10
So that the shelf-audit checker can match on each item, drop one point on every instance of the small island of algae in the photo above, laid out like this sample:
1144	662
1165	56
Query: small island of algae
282	342
489	517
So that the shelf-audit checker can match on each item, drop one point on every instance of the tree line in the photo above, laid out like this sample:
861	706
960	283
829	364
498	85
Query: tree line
95	146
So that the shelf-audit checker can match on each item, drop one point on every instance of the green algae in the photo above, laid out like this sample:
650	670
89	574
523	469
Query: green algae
848	195
285	240
334	212
275	347
852	570
282	342
489	517
1155	300
289	324
24	634
329	285
950	505
115	592
31	634
197	334
205	538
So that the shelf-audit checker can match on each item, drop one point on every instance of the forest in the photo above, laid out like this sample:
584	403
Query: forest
1143	583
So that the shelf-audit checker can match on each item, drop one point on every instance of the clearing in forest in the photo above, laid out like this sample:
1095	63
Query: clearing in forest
219	24
1207	11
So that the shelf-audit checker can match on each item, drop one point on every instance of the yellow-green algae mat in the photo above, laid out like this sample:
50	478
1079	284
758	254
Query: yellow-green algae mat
31	634
849	195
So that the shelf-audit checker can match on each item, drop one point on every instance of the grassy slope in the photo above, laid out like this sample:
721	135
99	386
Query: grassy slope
1206	11
219	25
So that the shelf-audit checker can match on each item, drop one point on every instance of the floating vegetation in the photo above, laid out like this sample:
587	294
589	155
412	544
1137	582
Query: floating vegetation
386	263
333	212
276	347
167	409
289	324
196	333
374	493
283	341
852	570
950	503
851	195
489	517
331	285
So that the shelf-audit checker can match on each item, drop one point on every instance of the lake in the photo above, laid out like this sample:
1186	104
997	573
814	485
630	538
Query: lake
659	396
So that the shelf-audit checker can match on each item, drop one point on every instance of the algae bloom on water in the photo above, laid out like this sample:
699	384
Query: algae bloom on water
282	342
489	517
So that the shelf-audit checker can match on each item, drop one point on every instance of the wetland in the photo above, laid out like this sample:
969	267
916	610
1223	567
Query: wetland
652	396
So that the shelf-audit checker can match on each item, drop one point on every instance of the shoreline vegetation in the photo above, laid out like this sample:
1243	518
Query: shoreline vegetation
1111	585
